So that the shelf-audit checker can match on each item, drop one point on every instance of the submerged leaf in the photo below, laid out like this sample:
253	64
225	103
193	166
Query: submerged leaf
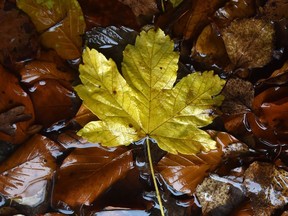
61	24
146	103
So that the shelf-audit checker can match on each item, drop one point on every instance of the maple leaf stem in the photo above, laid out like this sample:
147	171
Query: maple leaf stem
153	177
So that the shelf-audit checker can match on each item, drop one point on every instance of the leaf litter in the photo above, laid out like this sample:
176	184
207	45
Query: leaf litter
252	112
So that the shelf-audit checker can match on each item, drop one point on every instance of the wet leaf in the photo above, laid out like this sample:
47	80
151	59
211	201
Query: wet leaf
210	48
184	172
199	14
26	173
40	70
99	13
111	41
278	77
142	7
234	10
249	42
51	92
266	187
60	23
146	103
17	33
87	173
12	95
269	121
239	95
218	195
84	116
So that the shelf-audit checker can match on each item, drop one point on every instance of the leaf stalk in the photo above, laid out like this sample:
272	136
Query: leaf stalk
153	177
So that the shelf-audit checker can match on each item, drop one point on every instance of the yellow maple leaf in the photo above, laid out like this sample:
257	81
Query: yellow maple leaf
144	101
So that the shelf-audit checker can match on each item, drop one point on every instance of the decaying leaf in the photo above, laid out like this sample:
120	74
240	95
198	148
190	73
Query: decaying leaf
146	103
142	7
218	196
234	10
276	9
16	34
88	172
12	116
12	95
239	95
60	23
249	42
199	16
267	187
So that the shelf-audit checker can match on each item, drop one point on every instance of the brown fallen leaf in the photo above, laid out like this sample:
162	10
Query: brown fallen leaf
199	14
87	173
84	115
185	172
142	7
17	33
189	18
106	13
275	9
269	120
51	92
234	10
249	42
12	95
210	48
25	175
12	116
278	77
239	95
40	70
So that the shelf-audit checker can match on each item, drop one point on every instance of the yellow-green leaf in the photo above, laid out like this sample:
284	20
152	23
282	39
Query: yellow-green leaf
145	101
60	23
175	3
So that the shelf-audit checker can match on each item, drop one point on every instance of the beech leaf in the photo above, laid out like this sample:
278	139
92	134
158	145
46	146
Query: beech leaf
61	24
146	102
184	172
26	173
96	168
